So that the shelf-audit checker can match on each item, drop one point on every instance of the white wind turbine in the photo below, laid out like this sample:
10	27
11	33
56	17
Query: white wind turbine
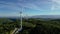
16	30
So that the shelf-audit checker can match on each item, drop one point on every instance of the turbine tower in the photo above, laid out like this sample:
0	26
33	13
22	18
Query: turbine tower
16	30
19	29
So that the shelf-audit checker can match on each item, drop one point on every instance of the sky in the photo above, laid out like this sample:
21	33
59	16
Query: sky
11	8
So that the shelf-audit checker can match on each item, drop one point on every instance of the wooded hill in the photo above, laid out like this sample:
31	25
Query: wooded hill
30	26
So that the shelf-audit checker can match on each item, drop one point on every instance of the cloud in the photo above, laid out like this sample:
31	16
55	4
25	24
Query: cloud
29	5
39	5
56	1
36	4
9	5
32	4
55	5
8	8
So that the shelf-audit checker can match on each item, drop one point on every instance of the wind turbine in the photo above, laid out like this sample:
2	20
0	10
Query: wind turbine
16	30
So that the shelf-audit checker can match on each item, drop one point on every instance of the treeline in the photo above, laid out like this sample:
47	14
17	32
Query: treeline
30	26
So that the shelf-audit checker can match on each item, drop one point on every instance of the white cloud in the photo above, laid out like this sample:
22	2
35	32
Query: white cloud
26	4
55	5
9	5
30	5
36	5
56	1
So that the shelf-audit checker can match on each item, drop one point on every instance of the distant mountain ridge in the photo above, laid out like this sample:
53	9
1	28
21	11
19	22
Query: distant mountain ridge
47	16
38	16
